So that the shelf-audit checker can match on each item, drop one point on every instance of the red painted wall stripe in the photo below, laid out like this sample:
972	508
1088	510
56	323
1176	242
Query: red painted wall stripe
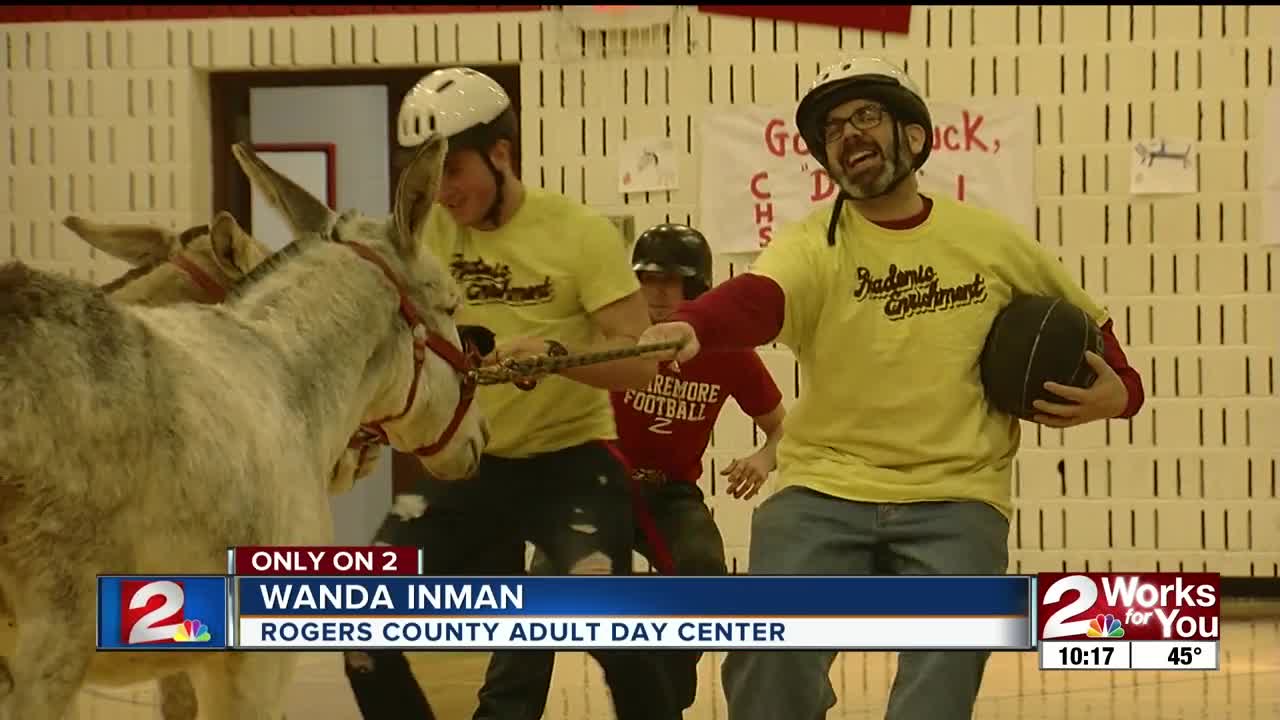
885	18
101	13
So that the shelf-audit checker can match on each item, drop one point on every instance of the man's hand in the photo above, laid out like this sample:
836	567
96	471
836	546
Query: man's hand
1105	399
518	349
747	475
669	331
523	348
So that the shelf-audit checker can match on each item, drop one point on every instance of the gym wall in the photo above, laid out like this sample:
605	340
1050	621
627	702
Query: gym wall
110	119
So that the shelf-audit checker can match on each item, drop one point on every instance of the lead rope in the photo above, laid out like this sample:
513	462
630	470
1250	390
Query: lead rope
523	370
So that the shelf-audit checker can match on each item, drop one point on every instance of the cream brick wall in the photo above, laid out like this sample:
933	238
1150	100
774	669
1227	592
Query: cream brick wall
111	120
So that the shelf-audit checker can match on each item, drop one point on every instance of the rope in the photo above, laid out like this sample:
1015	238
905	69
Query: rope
524	369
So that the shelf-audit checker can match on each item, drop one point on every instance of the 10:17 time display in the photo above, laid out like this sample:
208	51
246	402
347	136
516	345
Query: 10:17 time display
1074	655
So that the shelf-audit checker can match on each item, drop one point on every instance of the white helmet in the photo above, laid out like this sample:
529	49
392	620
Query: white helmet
449	101
863	77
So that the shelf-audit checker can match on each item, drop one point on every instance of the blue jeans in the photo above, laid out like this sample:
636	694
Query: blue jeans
803	532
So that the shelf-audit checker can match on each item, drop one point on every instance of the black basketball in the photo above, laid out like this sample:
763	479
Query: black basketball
1035	340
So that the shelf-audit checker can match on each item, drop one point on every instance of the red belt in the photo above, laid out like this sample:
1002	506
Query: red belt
644	519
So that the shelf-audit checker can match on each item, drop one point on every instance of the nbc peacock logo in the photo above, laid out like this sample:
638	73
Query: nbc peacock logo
196	631
1105	626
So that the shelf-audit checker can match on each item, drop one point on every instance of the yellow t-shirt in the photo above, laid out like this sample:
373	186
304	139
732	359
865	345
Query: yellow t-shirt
540	275
888	327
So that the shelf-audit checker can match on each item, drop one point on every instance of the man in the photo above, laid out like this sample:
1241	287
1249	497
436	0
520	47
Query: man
663	432
543	273
893	462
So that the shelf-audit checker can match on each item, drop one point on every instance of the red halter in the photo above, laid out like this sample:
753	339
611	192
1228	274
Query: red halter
371	433
216	292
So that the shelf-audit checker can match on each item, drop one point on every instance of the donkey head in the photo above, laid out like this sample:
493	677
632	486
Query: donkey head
197	265
424	405
222	254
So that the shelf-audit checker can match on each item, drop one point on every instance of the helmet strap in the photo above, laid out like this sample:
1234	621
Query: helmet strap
494	215
899	177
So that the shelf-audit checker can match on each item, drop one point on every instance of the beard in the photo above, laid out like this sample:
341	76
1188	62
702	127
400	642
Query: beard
863	169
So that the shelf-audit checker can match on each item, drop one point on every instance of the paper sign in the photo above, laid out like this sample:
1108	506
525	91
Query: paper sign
757	175
1162	166
648	165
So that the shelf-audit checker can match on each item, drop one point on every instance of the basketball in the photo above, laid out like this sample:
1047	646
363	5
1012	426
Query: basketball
1034	340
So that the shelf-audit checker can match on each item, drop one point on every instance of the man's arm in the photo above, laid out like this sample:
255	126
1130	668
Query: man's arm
745	476
771	424
1117	392
621	324
1113	353
742	313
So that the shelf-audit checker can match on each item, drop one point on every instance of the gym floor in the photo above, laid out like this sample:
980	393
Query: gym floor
1246	687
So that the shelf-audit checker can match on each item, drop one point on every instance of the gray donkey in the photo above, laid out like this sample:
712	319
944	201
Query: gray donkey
149	439
196	265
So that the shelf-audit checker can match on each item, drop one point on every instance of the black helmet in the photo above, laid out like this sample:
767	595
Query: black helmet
677	249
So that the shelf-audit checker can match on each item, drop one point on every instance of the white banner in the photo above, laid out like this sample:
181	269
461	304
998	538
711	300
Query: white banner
757	174
568	633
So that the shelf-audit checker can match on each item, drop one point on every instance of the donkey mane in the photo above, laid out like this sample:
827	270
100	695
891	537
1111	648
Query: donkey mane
275	261
130	275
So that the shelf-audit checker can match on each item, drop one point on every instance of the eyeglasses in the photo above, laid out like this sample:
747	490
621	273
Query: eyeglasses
864	118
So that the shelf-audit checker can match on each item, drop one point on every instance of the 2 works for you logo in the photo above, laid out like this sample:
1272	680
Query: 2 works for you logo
1128	606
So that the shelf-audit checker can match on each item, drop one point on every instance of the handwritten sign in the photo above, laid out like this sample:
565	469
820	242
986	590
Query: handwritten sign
648	165
1162	166
757	174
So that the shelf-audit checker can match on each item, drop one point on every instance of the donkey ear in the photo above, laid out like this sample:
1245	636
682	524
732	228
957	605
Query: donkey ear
234	250
304	213
416	192
135	244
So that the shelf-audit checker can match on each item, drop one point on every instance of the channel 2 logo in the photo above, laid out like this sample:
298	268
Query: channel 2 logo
151	613
1134	606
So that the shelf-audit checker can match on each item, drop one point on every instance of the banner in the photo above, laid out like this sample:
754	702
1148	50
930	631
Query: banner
301	612
885	18
337	598
581	613
757	175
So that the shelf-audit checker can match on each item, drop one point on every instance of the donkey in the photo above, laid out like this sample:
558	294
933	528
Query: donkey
200	264
196	265
146	440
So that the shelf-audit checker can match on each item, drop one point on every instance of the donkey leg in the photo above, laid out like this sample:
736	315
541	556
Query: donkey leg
178	697
245	687
48	666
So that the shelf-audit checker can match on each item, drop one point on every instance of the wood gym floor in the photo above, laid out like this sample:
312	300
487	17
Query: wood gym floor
1246	687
